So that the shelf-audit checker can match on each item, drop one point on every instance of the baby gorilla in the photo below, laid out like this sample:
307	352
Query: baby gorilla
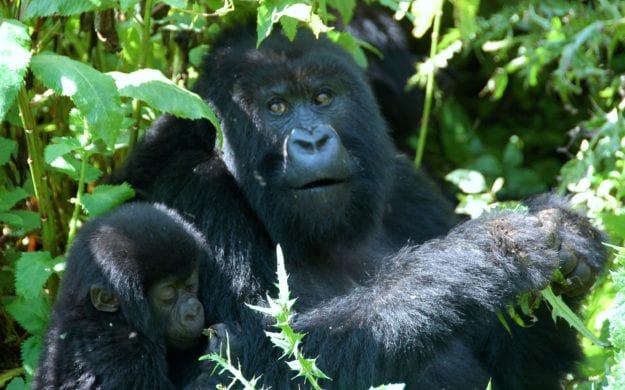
127	314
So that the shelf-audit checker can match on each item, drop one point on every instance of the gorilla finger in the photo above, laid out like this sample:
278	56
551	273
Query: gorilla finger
579	281
581	275
568	261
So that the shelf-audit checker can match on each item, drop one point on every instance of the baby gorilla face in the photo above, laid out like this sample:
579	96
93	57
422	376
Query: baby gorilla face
176	308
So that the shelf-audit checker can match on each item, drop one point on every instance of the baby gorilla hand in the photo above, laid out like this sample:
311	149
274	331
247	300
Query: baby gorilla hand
223	340
581	253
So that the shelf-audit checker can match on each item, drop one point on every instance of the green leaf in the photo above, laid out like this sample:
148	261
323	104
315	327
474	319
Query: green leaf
470	182
37	8
71	166
345	8
182	4
21	219
61	147
512	153
126	4
32	271
14	59
9	198
465	12
152	87
106	197
561	309
289	26
423	12
93	93
18	384
31	349
7	147
615	224
31	314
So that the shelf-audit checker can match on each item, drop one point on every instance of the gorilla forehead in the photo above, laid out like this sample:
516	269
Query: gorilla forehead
297	66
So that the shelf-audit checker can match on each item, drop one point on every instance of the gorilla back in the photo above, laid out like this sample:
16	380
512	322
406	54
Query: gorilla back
388	290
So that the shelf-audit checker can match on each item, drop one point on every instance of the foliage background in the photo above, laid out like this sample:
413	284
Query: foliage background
520	97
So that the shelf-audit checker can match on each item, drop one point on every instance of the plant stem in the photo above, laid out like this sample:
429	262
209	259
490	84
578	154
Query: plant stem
429	87
73	223
143	59
38	174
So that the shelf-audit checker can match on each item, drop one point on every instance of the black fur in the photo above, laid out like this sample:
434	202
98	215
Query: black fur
126	251
388	289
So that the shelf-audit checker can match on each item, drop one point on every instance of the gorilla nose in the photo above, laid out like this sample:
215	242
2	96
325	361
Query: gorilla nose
315	157
192	310
311	146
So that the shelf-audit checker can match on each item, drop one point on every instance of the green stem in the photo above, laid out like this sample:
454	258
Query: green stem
429	87
38	174
73	223
143	59
48	36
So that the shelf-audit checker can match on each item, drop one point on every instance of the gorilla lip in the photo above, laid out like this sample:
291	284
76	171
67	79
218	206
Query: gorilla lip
320	184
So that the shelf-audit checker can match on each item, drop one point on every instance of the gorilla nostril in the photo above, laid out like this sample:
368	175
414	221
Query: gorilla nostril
304	145
322	141
310	142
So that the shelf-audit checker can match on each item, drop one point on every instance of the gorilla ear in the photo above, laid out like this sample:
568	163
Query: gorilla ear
103	299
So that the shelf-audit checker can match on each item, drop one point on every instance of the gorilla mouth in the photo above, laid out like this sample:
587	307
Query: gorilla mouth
320	184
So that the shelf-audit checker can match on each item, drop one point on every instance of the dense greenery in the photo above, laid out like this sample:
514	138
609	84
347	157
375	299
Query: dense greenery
520	97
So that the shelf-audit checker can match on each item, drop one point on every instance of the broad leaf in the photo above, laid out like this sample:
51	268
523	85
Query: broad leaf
37	8
32	271
9	198
345	7
62	146
152	87
14	59
21	219
93	93
106	197
71	166
182	4
31	349
7	147
31	314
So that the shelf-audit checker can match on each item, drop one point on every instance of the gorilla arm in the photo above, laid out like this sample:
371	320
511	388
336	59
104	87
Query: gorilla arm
424	295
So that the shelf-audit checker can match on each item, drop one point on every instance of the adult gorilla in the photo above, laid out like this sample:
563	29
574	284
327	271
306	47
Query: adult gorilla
387	290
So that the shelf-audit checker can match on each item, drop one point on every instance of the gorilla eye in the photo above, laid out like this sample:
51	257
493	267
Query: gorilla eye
277	106
323	98
167	295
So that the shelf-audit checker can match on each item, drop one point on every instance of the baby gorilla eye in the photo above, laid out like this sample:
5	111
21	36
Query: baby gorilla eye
277	106
323	98
167	295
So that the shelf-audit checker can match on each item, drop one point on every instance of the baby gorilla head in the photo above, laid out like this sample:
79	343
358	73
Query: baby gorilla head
128	299
151	256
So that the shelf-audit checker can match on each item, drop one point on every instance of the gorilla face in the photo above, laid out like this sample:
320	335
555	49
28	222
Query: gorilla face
303	136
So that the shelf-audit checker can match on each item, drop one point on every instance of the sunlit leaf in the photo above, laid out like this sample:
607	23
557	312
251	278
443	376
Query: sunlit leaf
106	197
32	271
470	182
14	59
93	93
31	314
30	351
37	8
152	87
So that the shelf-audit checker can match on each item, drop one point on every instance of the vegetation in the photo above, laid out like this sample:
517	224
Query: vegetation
520	97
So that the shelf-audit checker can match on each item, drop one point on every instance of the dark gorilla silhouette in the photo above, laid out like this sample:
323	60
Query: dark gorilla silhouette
127	314
388	290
